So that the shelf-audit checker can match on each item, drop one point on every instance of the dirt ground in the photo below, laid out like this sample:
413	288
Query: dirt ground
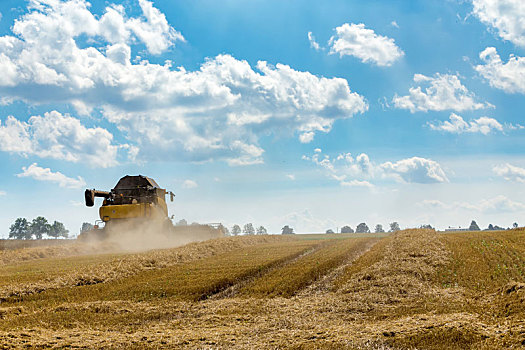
405	291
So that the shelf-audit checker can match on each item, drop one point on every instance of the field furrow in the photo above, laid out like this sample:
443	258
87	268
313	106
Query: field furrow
233	290
327	282
30	277
292	278
413	289
195	280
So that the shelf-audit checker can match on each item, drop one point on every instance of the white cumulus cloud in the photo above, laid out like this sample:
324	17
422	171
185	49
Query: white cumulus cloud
499	204
505	16
433	204
361	171
363	43
495	205
441	92
457	125
510	172
45	174
189	184
63	21
356	183
249	154
153	29
313	43
304	221
59	136
415	170
215	112
509	77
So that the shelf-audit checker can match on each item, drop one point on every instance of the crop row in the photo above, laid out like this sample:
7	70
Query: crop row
292	278
194	280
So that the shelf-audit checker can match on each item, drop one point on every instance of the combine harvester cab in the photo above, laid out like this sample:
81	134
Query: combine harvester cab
137	204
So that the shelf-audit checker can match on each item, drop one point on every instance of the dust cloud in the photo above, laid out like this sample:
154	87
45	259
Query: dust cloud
127	237
138	236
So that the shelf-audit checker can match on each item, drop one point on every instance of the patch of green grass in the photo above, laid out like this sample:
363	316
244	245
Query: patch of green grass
484	261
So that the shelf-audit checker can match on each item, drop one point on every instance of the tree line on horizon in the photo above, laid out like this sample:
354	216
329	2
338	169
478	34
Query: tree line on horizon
248	229
37	228
475	227
363	228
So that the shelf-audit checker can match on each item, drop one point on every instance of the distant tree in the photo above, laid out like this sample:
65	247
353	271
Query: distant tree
261	230
362	228
394	226
20	229
473	226
195	223
39	227
58	230
224	230
329	231
182	222
248	229
515	225
86	226
426	226
347	229
494	228
287	230
236	230
379	228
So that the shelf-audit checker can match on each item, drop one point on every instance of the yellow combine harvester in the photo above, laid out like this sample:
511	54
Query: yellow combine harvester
133	197
138	201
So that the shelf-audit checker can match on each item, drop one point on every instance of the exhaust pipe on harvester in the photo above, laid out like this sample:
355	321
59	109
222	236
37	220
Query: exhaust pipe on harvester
90	195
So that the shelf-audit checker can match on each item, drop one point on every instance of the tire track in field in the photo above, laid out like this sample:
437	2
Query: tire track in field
250	276
232	290
121	267
326	283
294	277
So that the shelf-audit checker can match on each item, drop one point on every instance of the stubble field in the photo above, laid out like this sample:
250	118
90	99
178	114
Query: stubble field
412	289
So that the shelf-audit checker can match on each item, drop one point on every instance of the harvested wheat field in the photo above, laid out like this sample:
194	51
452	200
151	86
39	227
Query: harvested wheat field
413	289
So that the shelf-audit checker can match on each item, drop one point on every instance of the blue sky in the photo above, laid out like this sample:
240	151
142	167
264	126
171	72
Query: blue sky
310	114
